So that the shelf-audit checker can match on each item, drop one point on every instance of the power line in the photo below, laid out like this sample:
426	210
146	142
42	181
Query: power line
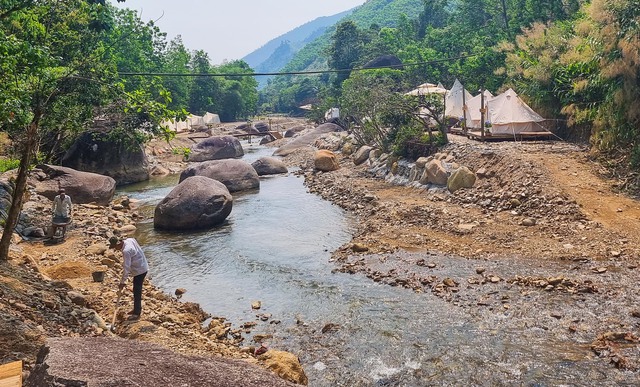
147	74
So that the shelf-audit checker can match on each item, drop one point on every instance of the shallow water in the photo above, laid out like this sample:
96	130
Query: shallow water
275	247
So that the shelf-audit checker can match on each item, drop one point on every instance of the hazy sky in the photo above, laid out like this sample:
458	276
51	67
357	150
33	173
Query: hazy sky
231	29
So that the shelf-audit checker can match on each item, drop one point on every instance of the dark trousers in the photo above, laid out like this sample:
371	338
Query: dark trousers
137	293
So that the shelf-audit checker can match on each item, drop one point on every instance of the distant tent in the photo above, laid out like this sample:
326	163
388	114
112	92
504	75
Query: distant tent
182	126
510	115
428	88
196	122
473	109
171	124
211	119
306	107
455	100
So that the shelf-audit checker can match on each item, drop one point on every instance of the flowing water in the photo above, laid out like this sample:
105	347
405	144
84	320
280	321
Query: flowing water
275	247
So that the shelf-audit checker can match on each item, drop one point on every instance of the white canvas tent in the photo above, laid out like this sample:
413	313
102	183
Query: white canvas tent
455	100
473	109
211	119
196	122
508	114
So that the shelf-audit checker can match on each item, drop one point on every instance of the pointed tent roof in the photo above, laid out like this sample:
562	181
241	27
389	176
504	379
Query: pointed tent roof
210	118
454	100
508	108
473	108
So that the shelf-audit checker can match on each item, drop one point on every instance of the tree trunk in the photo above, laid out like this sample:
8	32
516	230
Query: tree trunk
29	149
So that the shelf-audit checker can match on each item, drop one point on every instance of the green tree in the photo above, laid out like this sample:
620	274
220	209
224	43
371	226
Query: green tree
51	57
206	91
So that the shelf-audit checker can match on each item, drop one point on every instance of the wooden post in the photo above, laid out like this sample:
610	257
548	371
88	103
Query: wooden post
464	111
11	374
482	112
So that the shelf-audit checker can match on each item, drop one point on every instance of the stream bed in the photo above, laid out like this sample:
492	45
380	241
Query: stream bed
348	330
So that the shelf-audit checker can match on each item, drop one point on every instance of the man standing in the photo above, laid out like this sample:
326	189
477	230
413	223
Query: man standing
134	264
62	209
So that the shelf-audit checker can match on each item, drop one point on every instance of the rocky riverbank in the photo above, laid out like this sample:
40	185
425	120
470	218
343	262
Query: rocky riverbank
540	241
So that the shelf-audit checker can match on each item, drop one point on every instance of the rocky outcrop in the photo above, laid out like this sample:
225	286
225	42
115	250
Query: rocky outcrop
269	166
324	160
102	361
306	139
216	148
94	152
435	173
237	175
82	187
197	202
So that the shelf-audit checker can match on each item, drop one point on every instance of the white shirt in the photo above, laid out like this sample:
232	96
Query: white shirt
135	263
62	207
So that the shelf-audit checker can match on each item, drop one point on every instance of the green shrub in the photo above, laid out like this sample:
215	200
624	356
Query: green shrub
8	164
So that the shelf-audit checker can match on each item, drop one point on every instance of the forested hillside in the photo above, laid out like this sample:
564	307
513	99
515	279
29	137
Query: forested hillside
575	61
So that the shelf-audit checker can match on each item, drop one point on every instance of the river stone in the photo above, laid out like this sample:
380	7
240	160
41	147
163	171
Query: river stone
325	160
237	175
269	166
461	178
82	187
362	154
434	173
197	202
306	139
216	148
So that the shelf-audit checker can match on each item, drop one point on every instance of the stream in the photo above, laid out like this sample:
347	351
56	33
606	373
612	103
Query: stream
275	248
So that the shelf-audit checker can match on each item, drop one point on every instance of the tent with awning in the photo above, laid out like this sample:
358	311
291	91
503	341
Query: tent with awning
455	100
473	109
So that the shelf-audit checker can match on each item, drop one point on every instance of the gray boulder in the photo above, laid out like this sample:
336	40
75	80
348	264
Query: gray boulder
269	166
216	148
362	154
82	187
306	139
196	203
94	152
237	175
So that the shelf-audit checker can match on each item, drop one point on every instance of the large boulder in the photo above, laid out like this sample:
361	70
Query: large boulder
461	178
435	173
237	175
269	166
306	139
94	152
82	187
216	148
326	161
196	203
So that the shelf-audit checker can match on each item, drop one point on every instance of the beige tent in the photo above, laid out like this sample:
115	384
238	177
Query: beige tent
455	100
211	119
473	109
508	114
196	122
